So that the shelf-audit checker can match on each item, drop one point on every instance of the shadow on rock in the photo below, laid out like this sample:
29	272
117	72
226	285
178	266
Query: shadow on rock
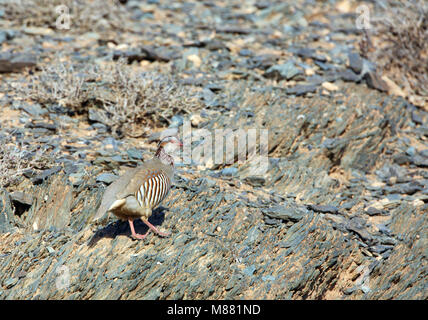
120	227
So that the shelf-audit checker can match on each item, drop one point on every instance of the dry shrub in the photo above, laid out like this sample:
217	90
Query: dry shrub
16	158
402	47
86	15
61	83
145	98
125	100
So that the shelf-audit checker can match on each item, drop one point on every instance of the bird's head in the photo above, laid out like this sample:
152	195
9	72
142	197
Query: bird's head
170	142
168	146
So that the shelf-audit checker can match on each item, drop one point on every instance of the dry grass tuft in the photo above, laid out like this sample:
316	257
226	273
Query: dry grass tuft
91	15
126	100
16	158
61	83
145	98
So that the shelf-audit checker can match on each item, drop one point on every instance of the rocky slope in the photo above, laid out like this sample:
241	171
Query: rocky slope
341	212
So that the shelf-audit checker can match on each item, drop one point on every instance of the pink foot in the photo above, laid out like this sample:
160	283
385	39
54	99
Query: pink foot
136	235
162	234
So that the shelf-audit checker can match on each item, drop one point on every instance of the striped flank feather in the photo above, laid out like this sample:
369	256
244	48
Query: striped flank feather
154	190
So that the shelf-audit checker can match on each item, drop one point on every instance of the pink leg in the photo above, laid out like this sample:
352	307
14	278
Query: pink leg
136	235
163	234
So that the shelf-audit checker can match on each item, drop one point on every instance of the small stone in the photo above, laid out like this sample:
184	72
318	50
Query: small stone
309	72
309	53
38	31
255	181
420	161
34	109
330	86
9	283
76	178
229	171
375	82
268	278
373	211
301	89
416	118
165	133
196	120
283	71
245	53
176	121
45	174
249	271
286	212
323	208
355	62
424	153
401	158
411	151
365	288
15	62
195	60
134	154
96	115
41	125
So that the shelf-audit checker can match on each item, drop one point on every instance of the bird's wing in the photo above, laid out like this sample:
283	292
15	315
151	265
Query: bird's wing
149	170
129	183
113	191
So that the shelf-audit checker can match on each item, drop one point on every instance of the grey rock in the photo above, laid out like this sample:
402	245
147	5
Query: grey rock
301	89
286	212
416	118
283	71
39	178
381	248
34	109
404	188
249	271
215	44
256	181
231	171
9	283
402	158
411	151
345	75
420	161
268	278
176	121
323	208
7	219
424	153
374	212
355	62
15	62
42	125
22	198
97	115
106	178
374	81
310	53
263	62
134	154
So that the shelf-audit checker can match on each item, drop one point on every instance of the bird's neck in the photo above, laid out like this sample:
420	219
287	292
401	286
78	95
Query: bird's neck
164	157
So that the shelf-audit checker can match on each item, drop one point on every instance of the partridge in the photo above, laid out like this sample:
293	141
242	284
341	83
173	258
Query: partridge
139	190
